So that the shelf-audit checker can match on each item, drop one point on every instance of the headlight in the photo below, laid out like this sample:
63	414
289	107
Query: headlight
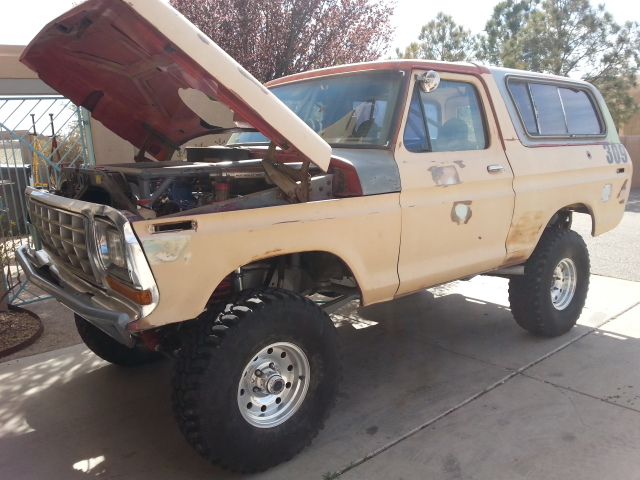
111	247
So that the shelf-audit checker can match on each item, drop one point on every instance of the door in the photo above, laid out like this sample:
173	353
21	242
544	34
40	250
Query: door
457	196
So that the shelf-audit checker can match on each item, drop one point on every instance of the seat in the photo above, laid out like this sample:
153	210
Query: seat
454	135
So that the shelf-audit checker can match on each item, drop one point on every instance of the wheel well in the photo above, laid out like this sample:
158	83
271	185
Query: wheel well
564	217
304	273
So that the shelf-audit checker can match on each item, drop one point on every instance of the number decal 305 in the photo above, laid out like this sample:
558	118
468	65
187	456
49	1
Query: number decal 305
616	153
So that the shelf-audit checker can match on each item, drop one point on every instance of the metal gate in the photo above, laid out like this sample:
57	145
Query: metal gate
38	136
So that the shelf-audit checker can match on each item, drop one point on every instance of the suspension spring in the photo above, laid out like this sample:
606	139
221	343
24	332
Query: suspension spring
222	291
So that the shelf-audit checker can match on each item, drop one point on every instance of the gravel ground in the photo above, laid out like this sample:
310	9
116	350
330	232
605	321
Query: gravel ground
613	254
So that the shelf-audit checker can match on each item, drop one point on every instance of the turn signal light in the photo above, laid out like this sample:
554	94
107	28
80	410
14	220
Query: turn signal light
141	297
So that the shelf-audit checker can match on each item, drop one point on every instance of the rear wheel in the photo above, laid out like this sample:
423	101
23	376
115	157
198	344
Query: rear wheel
548	299
256	381
110	349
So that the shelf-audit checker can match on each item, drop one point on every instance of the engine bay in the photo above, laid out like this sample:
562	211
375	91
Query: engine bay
220	179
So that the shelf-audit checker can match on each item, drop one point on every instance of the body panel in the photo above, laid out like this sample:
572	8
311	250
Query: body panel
364	232
455	213
553	173
412	217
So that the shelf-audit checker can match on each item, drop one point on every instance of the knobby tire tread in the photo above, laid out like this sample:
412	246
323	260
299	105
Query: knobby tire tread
198	347
529	299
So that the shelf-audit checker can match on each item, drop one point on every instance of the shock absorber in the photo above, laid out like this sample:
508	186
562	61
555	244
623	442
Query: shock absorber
222	191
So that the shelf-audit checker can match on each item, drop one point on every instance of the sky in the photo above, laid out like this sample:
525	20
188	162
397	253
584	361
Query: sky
22	19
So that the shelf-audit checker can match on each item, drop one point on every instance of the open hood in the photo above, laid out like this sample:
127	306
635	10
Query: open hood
154	79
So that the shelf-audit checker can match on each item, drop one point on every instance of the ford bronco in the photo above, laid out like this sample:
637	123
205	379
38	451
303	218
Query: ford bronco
367	181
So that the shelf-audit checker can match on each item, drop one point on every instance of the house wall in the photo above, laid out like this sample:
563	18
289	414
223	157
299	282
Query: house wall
632	144
630	137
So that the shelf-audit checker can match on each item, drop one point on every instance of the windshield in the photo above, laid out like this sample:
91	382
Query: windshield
343	109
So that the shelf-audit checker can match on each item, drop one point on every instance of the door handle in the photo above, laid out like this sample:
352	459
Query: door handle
495	168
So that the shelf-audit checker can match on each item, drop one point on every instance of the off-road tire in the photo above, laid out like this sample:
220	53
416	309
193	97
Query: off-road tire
560	254
217	359
110	349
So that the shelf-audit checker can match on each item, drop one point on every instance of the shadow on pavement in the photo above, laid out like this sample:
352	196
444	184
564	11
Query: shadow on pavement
68	415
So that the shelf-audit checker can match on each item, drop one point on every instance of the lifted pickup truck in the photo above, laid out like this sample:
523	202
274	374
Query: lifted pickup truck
372	180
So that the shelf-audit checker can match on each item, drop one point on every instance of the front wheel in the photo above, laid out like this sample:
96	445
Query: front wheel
255	380
548	299
110	349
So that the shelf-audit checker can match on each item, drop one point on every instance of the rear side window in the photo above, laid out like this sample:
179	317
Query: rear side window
555	110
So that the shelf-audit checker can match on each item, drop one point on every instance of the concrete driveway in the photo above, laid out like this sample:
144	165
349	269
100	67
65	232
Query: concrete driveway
441	384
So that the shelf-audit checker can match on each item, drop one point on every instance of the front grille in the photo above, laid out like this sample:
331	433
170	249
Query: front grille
63	236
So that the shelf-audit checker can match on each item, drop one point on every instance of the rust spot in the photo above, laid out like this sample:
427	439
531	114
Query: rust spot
444	176
515	259
267	254
461	212
524	231
621	196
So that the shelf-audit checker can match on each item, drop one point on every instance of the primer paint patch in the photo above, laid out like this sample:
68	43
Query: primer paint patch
165	249
444	176
461	212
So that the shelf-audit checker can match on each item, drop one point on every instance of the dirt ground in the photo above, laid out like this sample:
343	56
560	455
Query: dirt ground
59	329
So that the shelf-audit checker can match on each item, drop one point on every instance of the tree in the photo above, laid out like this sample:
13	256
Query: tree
442	39
500	41
273	39
568	38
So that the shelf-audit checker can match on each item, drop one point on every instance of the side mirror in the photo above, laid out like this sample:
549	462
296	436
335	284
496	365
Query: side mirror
429	81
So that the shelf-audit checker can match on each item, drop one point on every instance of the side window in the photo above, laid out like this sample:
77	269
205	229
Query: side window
415	132
555	110
452	117
581	116
549	109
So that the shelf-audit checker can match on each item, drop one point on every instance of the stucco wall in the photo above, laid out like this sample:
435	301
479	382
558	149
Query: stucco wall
632	127
9	64
632	144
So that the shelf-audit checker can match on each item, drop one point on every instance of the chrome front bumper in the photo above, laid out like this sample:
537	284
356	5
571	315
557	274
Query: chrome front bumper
87	301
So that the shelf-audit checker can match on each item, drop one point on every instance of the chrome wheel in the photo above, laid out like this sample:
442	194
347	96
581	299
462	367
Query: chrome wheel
273	385
564	283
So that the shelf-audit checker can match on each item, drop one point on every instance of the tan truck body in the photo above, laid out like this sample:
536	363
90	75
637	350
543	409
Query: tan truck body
414	173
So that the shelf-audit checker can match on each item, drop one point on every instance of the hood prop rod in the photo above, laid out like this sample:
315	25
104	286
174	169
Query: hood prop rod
293	182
